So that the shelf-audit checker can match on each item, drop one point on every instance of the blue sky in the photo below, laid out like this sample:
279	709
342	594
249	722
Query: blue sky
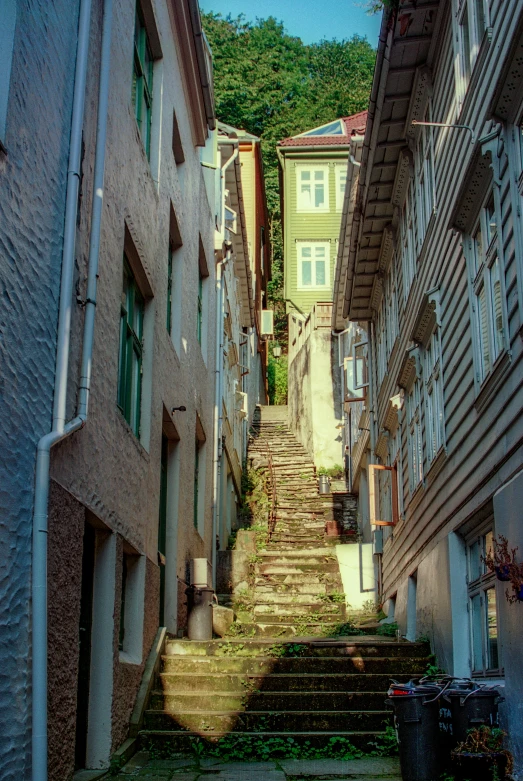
310	20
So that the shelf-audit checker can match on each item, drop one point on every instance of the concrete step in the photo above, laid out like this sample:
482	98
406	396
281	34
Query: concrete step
181	740
355	646
293	665
288	721
172	683
209	700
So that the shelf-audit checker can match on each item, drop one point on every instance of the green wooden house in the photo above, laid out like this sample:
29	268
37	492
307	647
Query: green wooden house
313	169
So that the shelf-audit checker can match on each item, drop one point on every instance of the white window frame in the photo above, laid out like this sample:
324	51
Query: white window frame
425	176
301	205
341	171
407	239
414	436
484	250
474	16
479	582
300	246
434	406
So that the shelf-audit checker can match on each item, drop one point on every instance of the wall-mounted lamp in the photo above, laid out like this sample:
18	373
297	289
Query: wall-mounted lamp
276	350
179	409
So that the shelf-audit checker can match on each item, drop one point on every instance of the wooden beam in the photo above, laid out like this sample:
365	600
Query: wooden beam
392	122
413	39
397	97
390	144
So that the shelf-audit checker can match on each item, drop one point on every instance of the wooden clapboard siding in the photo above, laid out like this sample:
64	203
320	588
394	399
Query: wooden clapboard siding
317	227
483	433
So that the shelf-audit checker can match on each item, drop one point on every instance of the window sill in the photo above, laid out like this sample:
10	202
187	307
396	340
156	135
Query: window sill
134	439
436	465
477	71
415	497
492	382
125	658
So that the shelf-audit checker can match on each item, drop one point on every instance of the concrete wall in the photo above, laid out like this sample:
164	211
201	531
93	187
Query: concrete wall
32	198
314	399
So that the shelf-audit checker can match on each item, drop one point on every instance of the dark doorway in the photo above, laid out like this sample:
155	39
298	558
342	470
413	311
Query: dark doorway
162	523
84	641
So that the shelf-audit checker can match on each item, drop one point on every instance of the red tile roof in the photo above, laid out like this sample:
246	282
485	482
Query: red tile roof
355	125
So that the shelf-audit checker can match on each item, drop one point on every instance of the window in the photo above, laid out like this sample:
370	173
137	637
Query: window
130	637
331	129
341	181
434	421
130	359
314	265
313	189
415	443
7	36
472	26
482	606
142	93
408	240
486	290
201	301
425	176
174	293
169	286
196	482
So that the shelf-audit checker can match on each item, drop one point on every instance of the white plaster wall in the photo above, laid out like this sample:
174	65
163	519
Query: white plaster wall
357	573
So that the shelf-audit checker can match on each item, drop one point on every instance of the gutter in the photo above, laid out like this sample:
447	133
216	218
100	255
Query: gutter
201	44
60	429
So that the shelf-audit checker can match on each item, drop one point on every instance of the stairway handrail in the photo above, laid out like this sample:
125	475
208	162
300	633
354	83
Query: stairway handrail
272	512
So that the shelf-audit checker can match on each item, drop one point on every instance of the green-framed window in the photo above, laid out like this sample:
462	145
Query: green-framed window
143	81
199	322
130	360
169	288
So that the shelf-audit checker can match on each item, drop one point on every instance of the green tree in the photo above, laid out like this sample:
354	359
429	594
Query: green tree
273	85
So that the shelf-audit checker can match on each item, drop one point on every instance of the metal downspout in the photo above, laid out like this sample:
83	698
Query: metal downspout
61	430
218	383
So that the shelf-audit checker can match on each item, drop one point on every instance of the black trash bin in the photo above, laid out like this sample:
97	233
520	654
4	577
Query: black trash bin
416	718
470	709
199	606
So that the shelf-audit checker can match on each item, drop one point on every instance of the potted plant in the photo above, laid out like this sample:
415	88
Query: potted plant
502	561
482	756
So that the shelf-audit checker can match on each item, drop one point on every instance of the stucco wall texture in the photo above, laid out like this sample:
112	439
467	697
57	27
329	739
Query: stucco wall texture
112	473
32	197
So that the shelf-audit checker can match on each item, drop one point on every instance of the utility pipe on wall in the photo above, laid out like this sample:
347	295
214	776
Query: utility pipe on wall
61	430
218	383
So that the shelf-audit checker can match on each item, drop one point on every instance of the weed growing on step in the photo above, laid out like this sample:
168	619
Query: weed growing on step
287	649
336	597
387	630
385	745
261	748
340	630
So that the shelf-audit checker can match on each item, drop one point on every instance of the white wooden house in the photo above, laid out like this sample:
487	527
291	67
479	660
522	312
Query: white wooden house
430	264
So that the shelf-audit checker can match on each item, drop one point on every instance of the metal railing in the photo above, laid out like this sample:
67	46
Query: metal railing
274	501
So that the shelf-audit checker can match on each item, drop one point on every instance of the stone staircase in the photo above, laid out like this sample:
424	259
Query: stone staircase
294	672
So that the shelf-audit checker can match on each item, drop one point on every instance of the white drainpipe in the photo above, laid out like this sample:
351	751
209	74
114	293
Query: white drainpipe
61	429
218	384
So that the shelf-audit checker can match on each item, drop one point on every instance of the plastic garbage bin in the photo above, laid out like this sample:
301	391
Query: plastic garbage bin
472	708
416	718
199	606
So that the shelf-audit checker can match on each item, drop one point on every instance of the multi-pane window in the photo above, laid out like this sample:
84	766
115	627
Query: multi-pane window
483	615
313	264
425	176
408	240
142	81
313	188
487	290
415	443
434	421
130	359
341	181
472	26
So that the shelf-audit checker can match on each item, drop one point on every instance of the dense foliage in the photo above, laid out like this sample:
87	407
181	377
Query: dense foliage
273	85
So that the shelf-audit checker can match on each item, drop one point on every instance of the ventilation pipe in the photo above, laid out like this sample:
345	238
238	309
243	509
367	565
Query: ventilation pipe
60	429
